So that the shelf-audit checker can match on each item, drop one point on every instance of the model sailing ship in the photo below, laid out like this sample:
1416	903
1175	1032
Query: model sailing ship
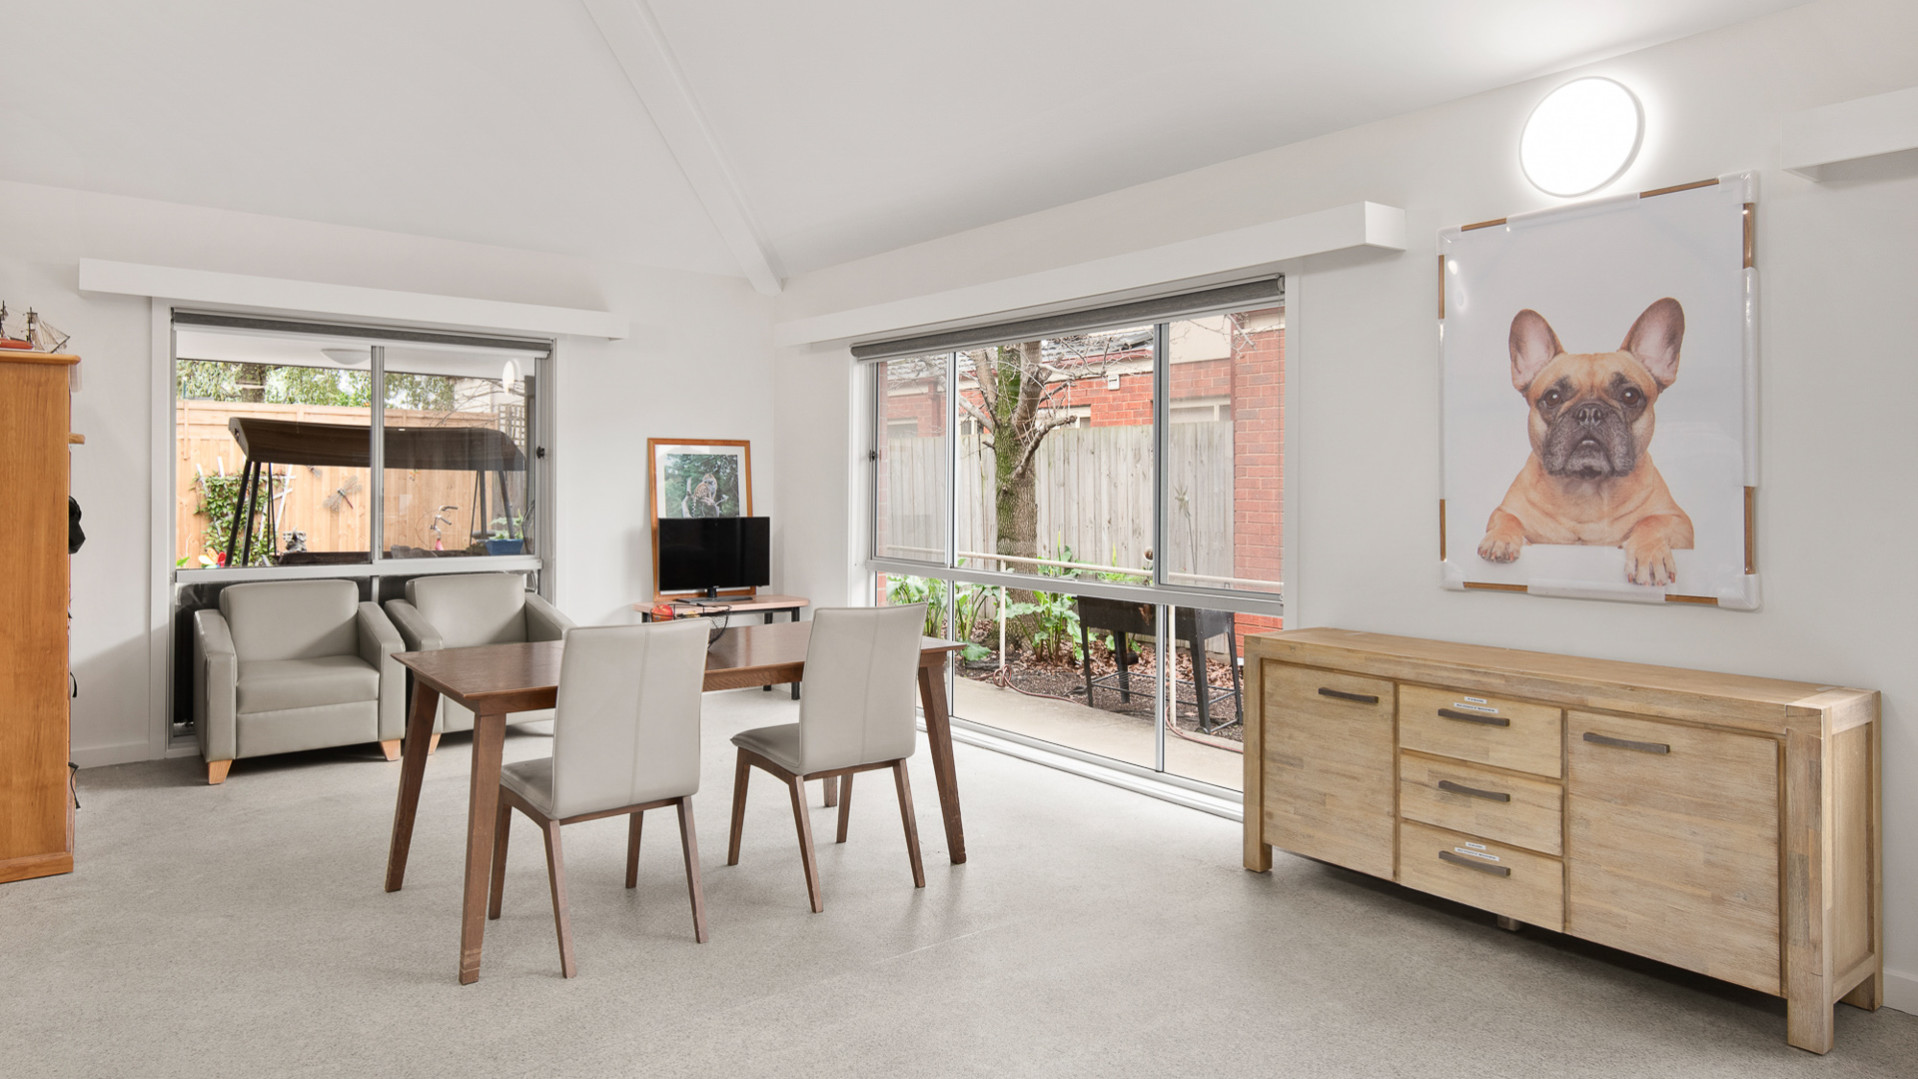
32	333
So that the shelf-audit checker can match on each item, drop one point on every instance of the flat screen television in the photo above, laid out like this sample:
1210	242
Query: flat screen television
707	554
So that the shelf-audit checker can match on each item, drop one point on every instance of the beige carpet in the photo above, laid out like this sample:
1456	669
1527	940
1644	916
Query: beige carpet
241	930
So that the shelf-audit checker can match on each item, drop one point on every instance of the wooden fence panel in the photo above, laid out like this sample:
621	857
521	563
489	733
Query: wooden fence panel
1094	487
204	444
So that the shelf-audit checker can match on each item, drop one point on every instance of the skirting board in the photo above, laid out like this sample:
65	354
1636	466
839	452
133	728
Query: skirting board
1205	259
118	753
1901	991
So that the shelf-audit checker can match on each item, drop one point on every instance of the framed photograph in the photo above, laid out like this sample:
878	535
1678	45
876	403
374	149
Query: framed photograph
705	478
700	479
1600	414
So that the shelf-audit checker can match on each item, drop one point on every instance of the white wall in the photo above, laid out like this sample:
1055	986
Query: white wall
697	365
1838	326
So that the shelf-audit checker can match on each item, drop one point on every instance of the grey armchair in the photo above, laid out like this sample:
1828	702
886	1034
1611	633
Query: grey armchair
459	610
284	666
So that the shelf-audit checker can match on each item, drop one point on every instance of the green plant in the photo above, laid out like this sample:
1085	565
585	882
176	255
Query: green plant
219	498
904	590
1054	629
502	529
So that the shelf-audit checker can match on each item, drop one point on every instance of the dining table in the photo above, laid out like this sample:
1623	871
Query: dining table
497	679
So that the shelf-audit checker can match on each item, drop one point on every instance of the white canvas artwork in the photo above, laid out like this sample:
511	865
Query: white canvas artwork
1599	411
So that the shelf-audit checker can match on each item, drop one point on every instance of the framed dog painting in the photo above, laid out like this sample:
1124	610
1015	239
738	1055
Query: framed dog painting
1599	385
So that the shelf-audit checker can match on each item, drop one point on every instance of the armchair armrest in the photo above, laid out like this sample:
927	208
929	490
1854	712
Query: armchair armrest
216	680
544	622
378	643
419	634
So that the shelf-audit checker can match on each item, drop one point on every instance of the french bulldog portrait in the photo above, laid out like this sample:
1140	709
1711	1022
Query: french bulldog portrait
1590	478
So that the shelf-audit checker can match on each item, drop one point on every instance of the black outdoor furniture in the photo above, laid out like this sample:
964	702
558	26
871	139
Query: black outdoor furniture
1123	618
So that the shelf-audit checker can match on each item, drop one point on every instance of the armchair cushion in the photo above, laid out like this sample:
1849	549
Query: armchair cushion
292	619
472	608
272	685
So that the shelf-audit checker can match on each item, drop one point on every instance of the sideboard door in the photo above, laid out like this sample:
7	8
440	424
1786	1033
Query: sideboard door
1329	744
1672	845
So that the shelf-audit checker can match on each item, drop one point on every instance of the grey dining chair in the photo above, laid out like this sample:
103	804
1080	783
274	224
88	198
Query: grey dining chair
625	740
856	716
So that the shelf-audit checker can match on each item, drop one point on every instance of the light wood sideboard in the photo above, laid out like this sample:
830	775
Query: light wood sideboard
36	802
1723	824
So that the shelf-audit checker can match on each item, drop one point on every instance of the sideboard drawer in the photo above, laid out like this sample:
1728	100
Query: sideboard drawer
1471	727
1469	798
1328	766
1490	876
1673	845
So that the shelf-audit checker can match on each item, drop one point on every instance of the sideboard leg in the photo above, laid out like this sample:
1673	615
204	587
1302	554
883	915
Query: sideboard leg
1870	994
1258	856
1808	1025
1510	925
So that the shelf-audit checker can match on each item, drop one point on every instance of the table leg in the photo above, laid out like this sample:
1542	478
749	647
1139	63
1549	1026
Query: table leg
419	732
932	697
489	740
795	617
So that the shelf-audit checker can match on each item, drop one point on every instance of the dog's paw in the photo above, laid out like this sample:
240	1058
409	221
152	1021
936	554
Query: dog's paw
1500	546
1649	562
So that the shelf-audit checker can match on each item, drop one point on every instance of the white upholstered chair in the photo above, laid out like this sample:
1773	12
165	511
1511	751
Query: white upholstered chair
462	609
856	715
283	666
625	740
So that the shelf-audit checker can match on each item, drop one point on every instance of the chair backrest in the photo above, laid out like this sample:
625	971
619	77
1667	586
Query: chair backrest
472	608
862	667
626	727
292	619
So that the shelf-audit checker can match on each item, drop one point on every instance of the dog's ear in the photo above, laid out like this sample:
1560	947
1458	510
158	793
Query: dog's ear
1533	346
1655	337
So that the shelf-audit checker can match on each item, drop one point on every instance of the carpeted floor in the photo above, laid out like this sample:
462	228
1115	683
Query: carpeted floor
241	930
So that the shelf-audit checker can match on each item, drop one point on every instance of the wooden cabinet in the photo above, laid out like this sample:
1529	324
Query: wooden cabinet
36	805
1331	768
1723	824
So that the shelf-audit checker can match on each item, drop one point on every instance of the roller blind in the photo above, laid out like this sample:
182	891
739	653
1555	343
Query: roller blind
1263	292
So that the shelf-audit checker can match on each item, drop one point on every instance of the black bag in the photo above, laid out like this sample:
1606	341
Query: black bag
75	537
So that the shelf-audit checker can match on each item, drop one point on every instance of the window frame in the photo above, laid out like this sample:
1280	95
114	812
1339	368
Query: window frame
1158	591
378	564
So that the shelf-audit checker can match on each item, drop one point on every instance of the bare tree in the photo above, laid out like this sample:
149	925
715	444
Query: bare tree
1022	392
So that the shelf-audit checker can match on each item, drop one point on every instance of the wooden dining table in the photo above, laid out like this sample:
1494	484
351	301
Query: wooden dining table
496	679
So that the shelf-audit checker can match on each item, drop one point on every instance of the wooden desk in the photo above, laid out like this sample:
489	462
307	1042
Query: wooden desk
495	679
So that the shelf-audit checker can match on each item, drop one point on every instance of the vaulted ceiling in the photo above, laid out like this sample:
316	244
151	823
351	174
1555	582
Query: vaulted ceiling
763	137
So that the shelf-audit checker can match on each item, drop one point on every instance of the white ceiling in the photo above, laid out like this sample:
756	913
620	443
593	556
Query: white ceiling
849	127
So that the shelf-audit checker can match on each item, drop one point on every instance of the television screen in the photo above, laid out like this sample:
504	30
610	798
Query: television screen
706	554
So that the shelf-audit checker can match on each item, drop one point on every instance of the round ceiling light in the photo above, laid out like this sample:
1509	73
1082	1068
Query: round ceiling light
1581	137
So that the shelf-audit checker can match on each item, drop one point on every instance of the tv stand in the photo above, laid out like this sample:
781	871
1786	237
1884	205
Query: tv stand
692	606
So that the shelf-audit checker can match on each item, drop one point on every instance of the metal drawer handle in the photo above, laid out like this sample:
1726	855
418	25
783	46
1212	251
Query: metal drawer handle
1341	695
1460	788
1474	863
1626	743
1473	717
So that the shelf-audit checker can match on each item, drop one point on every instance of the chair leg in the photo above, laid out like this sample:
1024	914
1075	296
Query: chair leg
845	805
831	790
740	776
556	874
689	846
391	747
632	847
912	826
798	787
216	772
502	827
